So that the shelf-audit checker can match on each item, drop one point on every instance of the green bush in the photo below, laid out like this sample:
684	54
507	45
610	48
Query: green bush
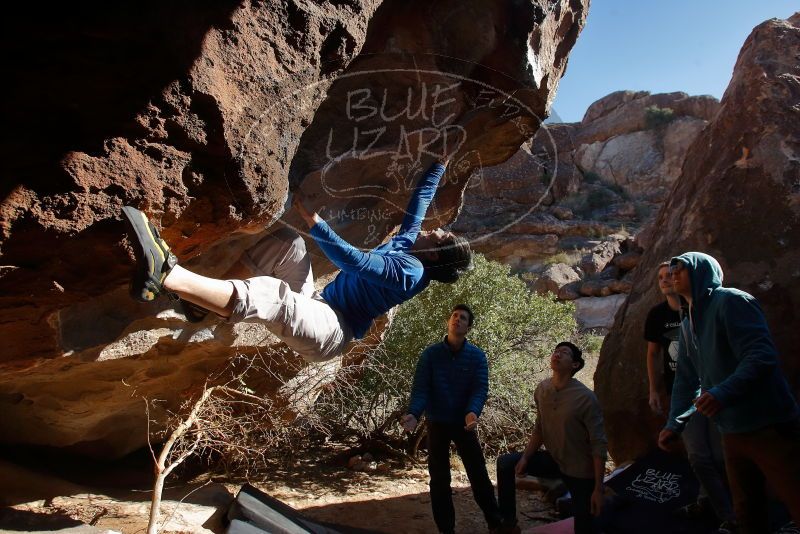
655	117
590	343
569	258
561	257
515	327
600	198
584	204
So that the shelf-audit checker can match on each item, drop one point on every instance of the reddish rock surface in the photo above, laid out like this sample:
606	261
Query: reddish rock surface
737	199
204	115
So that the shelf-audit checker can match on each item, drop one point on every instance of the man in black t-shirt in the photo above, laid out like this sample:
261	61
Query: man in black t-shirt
662	330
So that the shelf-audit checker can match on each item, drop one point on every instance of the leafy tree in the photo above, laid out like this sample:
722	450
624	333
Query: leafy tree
515	327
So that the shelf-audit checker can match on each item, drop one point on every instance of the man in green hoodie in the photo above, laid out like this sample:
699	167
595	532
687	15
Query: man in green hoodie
728	370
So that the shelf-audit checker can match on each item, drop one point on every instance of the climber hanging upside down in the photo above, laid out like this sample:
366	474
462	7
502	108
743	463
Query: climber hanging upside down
279	291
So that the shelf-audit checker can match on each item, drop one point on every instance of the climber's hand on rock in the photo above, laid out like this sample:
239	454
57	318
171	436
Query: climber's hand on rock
298	201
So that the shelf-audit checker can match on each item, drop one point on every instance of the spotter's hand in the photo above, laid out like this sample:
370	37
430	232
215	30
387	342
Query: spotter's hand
707	404
408	422
470	422
667	440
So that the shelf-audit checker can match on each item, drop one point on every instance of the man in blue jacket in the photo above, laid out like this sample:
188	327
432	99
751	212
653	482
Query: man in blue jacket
278	289
451	384
728	370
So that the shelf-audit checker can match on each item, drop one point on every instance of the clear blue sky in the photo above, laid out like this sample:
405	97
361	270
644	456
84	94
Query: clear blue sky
659	46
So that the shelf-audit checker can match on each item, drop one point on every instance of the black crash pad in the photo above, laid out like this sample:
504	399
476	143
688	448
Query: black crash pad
254	509
649	491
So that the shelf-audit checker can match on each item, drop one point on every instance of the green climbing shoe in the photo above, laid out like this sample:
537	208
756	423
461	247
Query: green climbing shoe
153	257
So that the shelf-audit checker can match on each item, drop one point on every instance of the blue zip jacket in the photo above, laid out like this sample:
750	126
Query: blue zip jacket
372	283
726	349
448	385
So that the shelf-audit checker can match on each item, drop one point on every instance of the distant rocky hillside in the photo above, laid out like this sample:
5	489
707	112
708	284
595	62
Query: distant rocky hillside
584	180
563	207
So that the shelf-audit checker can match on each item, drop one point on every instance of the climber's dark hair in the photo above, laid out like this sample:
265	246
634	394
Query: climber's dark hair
455	257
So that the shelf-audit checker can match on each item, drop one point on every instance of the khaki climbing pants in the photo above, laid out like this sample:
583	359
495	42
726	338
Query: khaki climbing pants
283	298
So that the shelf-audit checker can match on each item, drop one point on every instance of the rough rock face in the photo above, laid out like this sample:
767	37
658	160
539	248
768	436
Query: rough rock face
204	115
738	199
643	162
597	313
583	179
621	141
554	278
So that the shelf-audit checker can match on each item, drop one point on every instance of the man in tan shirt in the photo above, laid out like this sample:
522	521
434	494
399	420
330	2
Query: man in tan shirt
569	423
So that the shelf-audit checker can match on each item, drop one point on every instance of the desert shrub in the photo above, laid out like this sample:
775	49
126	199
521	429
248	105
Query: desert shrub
561	257
567	257
590	343
515	327
597	231
655	117
600	198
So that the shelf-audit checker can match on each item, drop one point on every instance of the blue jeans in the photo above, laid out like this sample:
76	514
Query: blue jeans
704	446
541	464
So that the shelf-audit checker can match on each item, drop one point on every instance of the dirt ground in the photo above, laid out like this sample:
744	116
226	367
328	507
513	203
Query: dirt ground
392	501
39	492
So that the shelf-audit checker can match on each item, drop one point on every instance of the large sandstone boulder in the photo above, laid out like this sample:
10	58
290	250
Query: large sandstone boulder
597	313
554	278
736	199
600	256
205	115
517	234
609	103
643	162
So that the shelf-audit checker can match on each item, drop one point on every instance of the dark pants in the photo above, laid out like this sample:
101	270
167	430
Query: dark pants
541	464
767	455
469	449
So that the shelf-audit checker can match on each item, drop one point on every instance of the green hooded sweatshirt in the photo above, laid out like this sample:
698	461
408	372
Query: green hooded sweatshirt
726	349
